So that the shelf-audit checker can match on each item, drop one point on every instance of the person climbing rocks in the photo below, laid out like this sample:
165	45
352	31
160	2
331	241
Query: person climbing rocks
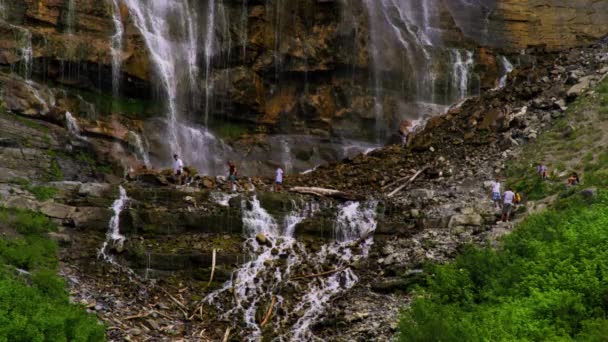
496	193
541	169
232	172
405	128
507	205
573	179
178	168
278	180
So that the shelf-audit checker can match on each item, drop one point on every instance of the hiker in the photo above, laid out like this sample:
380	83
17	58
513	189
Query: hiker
404	130
573	179
232	172
541	169
507	206
178	168
279	179
496	193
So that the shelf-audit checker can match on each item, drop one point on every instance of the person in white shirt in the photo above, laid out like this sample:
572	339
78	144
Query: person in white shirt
496	193
507	206
178	168
279	179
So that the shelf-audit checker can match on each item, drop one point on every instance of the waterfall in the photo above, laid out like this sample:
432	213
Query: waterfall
31	86
3	10
26	52
286	158
72	124
208	55
116	48
278	258
244	29
507	67
140	148
70	19
113	235
170	31
461	71
413	66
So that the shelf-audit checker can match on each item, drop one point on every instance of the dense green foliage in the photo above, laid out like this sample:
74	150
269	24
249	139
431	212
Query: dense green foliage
34	304
547	281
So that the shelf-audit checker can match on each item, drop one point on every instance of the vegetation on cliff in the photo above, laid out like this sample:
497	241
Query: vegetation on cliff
548	279
34	303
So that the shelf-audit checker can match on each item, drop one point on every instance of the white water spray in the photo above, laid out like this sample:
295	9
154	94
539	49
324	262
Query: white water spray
280	258
116	48
113	235
72	124
461	71
507	67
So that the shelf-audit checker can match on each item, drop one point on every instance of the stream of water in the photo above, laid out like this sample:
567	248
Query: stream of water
113	236
116	48
278	260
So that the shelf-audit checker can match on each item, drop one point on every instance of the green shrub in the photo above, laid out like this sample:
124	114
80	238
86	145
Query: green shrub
35	306
42	193
547	281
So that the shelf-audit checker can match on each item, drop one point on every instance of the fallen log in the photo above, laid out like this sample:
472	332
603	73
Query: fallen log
212	267
407	183
324	192
268	312
226	335
316	275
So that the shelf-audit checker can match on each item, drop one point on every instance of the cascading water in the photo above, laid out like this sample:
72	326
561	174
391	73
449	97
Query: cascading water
507	67
27	53
116	48
113	235
70	19
140	148
170	30
461	71
412	65
209	44
72	125
272	276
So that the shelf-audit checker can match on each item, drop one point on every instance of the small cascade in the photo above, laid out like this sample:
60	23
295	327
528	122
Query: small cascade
72	125
27	54
116	48
140	148
244	29
354	220
507	67
209	45
279	261
70	19
3	11
113	235
31	86
222	198
461	71
286	157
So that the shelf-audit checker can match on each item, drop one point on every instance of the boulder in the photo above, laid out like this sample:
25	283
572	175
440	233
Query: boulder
579	88
94	189
458	220
422	193
56	210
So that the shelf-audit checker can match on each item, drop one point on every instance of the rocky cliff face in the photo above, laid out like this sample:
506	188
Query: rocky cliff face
285	67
